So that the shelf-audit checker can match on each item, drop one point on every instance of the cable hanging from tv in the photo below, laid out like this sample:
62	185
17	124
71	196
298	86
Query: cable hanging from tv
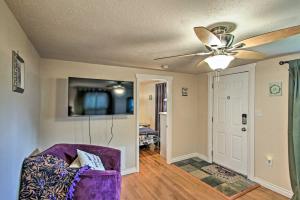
111	130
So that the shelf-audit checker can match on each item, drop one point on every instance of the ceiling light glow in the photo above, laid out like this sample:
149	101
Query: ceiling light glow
119	90
219	62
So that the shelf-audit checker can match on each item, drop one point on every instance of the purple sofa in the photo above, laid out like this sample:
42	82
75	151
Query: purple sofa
93	185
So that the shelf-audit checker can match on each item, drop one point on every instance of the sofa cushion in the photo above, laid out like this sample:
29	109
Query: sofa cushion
90	160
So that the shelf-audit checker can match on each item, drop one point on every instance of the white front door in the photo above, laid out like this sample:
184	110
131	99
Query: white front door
229	130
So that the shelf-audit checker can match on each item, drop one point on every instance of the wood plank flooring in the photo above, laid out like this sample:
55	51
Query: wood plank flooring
158	180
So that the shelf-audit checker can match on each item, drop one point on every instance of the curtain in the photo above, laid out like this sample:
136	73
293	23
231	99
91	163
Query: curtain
160	102
294	127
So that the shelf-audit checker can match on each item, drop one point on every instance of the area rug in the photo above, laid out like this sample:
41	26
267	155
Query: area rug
227	182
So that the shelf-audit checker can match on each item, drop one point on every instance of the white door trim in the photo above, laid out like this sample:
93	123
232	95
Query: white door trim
169	80
251	134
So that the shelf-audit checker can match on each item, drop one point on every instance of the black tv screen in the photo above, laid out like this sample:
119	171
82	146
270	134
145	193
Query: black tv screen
99	97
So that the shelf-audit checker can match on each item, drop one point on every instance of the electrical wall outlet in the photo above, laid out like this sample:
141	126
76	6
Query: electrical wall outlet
269	161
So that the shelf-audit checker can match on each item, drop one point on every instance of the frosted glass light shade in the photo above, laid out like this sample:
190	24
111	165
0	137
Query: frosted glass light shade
219	61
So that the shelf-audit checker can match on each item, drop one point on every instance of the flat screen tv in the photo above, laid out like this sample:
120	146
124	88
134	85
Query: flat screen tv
99	97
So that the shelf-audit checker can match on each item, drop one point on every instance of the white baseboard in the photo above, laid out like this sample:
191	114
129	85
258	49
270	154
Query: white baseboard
203	157
129	171
187	156
273	187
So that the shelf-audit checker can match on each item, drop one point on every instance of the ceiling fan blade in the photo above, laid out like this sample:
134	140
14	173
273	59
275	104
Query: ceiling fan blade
207	37
245	54
269	37
185	55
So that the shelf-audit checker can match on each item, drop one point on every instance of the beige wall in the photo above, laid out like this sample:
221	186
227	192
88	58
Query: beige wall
56	127
271	122
203	113
19	113
147	106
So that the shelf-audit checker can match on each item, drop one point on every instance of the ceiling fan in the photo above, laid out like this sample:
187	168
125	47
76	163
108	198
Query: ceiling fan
221	50
118	87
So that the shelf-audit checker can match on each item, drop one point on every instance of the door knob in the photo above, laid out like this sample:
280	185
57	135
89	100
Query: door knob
244	129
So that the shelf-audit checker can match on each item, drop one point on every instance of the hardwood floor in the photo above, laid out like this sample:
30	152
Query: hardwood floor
158	180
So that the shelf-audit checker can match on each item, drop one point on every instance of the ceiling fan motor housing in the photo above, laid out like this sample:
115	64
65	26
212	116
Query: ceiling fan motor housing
222	32
226	39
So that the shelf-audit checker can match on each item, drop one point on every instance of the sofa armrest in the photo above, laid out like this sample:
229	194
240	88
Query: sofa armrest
98	185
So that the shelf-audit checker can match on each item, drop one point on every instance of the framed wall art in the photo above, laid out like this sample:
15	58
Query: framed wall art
184	91
18	73
275	88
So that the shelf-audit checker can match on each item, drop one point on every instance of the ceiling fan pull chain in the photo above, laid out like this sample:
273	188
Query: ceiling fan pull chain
217	75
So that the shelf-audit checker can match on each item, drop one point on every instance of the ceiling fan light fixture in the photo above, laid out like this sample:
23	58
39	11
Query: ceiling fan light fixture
219	62
118	89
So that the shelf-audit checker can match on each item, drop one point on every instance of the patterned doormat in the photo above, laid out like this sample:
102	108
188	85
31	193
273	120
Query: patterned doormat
229	183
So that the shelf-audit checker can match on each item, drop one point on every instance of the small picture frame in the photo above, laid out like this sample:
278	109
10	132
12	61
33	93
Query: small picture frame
18	73
184	91
275	88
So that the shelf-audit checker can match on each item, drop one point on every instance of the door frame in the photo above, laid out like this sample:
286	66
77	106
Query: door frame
250	68
169	80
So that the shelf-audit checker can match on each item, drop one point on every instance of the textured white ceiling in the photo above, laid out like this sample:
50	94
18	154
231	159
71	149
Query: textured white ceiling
134	32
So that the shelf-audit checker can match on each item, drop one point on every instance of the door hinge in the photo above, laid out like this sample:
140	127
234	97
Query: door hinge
212	119
212	153
212	86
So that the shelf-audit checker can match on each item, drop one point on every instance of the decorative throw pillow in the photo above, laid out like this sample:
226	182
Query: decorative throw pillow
76	163
90	160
